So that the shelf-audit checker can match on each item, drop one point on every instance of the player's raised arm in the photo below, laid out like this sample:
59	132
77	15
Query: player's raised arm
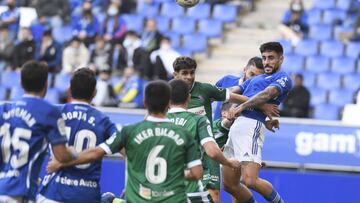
258	100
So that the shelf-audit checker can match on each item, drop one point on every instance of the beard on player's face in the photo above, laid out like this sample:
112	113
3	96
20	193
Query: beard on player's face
269	69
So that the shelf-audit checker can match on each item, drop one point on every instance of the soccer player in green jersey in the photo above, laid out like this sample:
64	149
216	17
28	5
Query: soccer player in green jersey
157	153
200	128
202	94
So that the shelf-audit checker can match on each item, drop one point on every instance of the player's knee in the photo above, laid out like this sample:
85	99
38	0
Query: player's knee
249	182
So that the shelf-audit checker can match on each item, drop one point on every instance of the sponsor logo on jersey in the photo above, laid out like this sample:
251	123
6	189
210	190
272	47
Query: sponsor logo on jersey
198	110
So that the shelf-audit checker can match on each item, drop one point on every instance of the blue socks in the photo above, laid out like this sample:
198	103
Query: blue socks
274	197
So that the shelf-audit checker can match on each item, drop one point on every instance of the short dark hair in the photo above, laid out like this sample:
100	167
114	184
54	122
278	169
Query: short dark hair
34	76
157	96
300	76
83	84
272	46
184	62
226	106
179	91
256	61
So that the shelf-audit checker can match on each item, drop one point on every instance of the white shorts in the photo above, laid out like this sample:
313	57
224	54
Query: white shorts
246	140
12	199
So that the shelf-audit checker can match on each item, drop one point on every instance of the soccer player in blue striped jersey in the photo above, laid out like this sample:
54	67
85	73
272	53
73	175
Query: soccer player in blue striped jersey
86	127
246	136
26	128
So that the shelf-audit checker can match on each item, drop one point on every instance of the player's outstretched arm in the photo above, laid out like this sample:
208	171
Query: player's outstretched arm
214	152
237	98
258	100
194	173
62	153
87	156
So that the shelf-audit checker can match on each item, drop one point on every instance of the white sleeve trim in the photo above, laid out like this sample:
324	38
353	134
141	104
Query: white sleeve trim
227	95
106	148
196	162
205	140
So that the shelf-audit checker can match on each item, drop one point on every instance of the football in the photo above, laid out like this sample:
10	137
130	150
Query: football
187	3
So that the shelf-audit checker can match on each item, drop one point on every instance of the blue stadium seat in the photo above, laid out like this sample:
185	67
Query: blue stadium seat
343	4
332	48
211	28
293	63
2	93
195	43
351	81
326	112
183	25
340	97
171	10
309	79
321	4
317	64
287	46
307	47
200	11
184	52
318	96
314	16
175	38
328	81
162	23
332	15
62	82
147	10
10	79
134	22
343	65
320	32
62	34
225	12
353	49
16	93
52	96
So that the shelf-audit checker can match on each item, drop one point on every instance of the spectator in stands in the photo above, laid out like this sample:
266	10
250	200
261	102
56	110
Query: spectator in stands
6	48
117	60
100	56
105	95
49	51
129	89
150	38
10	18
25	49
57	12
294	24
162	60
354	35
114	27
39	27
75	56
297	103
85	26
135	55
